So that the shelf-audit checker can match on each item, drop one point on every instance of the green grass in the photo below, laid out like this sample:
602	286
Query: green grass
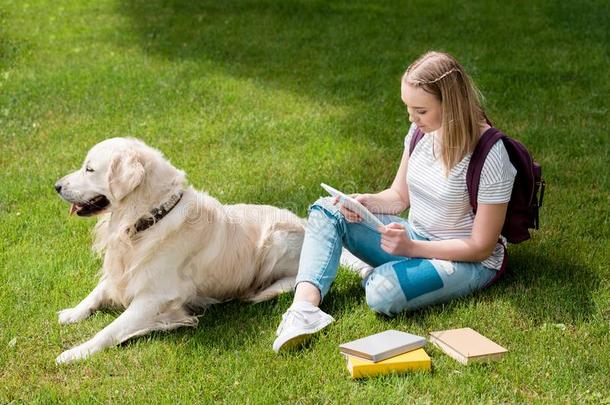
260	101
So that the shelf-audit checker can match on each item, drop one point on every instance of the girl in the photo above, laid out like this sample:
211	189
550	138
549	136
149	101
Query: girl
443	251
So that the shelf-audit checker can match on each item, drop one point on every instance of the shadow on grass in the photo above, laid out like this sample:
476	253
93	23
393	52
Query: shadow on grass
224	327
309	47
541	288
234	325
354	49
353	52
548	287
9	47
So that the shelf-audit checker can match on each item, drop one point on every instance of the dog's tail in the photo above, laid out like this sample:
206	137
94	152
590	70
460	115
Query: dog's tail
352	263
280	286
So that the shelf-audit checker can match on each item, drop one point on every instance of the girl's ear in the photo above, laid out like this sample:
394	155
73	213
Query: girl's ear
125	173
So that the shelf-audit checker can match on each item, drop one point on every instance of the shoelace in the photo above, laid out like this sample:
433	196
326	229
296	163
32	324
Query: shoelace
290	312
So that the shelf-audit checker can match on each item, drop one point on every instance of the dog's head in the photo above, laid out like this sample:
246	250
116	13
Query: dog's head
112	171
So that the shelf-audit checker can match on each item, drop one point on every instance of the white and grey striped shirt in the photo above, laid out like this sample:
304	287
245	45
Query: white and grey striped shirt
440	208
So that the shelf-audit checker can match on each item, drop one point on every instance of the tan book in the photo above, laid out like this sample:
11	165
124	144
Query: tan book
466	345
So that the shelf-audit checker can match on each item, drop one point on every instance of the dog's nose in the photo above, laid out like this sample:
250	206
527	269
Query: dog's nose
58	187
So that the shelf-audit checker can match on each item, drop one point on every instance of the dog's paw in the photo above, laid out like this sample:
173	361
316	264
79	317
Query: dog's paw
71	355
72	315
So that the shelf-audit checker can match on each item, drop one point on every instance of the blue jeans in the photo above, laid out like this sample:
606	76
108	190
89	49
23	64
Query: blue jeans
396	283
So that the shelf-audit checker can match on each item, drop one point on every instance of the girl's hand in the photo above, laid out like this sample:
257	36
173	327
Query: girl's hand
395	240
351	216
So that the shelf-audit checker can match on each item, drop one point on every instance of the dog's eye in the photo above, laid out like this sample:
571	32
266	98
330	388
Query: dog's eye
88	169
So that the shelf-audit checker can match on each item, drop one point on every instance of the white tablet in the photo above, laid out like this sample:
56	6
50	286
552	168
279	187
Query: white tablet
353	205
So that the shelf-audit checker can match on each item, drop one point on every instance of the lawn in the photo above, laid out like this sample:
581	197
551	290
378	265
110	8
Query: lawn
259	102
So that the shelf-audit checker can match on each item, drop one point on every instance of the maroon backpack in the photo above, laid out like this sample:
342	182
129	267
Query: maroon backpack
528	190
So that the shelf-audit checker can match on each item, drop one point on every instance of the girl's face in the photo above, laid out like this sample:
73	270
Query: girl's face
424	108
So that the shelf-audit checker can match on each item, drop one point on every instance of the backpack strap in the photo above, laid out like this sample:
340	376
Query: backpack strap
477	160
473	176
417	136
500	272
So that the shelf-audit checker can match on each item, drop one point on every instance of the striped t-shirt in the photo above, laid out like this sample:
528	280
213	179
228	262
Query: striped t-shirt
440	207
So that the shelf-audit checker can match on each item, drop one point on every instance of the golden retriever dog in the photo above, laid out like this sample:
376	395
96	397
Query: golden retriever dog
169	250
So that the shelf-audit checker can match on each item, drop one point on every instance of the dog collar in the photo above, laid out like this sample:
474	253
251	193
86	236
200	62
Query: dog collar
158	213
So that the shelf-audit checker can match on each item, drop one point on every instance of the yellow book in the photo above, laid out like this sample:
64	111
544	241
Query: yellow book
416	360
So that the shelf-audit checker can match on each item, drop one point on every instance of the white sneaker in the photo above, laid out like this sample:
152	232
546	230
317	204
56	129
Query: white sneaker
298	324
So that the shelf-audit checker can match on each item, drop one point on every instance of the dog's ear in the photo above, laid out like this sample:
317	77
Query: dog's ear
124	174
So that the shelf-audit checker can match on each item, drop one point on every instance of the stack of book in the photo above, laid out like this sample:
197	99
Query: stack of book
385	352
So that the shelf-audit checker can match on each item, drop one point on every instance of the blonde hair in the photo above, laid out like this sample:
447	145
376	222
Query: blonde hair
441	75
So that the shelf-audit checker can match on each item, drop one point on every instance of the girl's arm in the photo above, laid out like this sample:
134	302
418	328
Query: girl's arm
488	223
